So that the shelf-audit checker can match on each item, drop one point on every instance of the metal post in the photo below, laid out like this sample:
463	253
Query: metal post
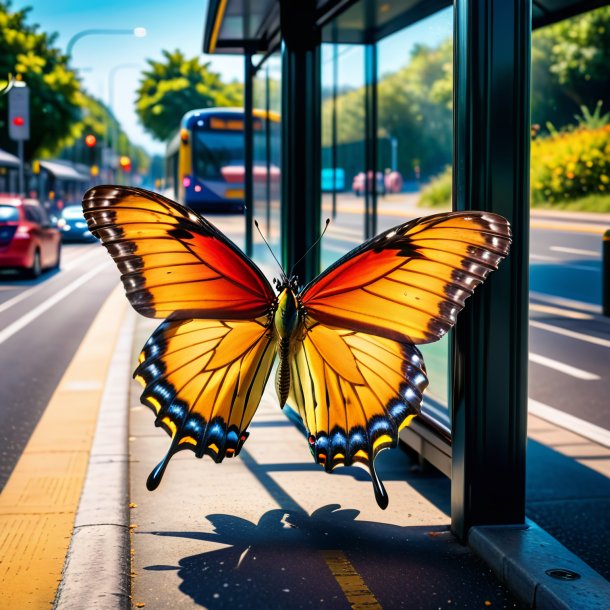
606	274
248	151
301	93
370	149
490	353
268	150
21	163
334	126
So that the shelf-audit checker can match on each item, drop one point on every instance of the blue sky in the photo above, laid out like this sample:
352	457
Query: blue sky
170	24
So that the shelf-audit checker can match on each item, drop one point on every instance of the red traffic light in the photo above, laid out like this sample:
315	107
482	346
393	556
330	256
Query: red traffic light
90	140
125	163
18	121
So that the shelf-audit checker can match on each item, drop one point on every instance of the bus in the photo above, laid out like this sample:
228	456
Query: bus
204	164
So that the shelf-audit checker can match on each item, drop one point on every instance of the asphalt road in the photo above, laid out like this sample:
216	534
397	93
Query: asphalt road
42	323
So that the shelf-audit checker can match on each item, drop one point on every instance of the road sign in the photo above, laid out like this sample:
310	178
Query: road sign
19	113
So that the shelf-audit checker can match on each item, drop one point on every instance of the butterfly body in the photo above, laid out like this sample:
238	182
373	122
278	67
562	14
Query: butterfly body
288	322
346	343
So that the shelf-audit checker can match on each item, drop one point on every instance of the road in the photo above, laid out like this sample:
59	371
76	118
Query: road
42	323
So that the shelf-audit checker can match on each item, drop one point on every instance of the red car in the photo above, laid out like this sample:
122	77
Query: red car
27	238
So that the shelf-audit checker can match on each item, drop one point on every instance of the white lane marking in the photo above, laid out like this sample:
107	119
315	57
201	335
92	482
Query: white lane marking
562	367
594	433
356	233
22	322
542	257
570	333
557	311
560	264
34	289
563	302
337	249
574	251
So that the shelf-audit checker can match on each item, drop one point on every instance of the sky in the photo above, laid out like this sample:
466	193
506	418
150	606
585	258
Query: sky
112	63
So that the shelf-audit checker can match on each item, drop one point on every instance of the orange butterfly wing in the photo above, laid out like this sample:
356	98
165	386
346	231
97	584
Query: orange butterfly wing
354	392
173	262
205	368
357	377
204	380
409	283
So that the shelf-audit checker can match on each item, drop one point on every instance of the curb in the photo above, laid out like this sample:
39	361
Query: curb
522	557
96	572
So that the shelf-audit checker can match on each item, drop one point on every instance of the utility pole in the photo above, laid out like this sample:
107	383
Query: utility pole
19	123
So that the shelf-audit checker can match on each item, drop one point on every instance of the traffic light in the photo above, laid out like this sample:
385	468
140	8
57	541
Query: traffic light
19	112
125	163
90	140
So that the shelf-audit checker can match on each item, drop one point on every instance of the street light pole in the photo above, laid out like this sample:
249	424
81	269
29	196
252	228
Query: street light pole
113	131
137	32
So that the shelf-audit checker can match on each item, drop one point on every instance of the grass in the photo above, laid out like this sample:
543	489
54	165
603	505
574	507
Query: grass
589	203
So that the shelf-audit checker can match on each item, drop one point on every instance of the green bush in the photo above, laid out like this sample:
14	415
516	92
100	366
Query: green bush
438	191
570	165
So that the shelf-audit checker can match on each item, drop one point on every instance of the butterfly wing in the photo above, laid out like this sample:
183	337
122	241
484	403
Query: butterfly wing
357	377
204	369
204	380
173	262
409	283
354	391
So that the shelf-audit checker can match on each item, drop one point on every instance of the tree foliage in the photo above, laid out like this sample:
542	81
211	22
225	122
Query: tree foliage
175	85
570	62
414	106
55	97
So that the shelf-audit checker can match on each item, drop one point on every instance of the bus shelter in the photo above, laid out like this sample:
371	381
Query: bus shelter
481	443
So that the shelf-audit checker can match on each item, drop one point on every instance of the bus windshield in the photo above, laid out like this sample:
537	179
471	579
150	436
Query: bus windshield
215	150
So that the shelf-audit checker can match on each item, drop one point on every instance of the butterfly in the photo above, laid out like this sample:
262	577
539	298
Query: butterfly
346	342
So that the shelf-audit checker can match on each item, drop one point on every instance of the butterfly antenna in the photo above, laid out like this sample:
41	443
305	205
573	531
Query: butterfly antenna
270	250
315	243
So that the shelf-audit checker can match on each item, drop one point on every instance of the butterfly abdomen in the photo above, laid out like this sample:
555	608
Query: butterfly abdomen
282	375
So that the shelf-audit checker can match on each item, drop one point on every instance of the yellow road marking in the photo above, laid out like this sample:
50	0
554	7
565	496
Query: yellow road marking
557	311
39	502
382	210
571	227
354	588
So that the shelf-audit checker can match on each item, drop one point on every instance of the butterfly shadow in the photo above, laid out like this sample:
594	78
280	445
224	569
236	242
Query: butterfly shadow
291	559
284	560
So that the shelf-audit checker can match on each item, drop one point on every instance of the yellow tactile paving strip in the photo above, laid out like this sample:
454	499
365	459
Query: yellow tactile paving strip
39	502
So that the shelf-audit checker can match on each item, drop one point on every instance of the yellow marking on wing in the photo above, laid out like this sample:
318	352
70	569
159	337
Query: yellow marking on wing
154	402
213	447
407	421
170	424
188	439
384	438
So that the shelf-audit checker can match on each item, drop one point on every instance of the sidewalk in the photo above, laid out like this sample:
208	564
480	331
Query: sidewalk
271	530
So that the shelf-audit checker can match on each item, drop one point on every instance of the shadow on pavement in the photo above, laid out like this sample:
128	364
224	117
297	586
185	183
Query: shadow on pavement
293	560
571	502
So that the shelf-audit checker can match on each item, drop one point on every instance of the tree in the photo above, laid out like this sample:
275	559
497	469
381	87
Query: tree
414	106
570	62
54	89
172	87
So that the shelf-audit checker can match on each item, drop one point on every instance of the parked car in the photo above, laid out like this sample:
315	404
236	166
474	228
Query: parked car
28	240
73	225
390	182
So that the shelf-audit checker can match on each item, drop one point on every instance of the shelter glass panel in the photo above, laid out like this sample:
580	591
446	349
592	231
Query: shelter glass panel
343	148
267	161
414	149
